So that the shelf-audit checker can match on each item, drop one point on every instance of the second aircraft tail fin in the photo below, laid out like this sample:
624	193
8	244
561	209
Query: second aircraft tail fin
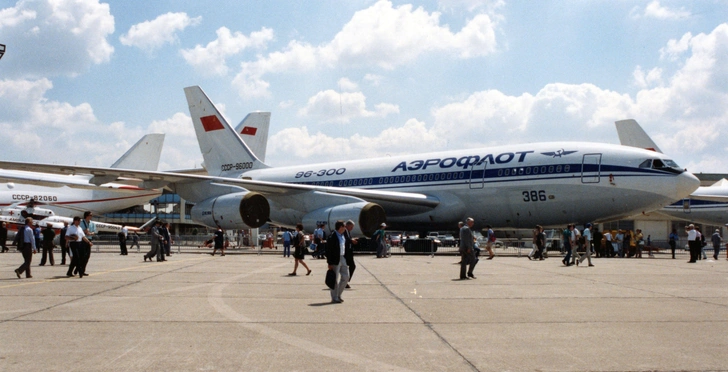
224	152
144	155
254	132
631	134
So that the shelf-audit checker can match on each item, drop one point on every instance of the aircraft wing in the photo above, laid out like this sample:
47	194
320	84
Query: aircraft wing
55	180
153	179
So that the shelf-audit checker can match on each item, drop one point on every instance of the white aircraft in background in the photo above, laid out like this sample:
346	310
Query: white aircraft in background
507	186
15	215
69	194
707	204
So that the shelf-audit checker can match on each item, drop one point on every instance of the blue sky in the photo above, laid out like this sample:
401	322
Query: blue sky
82	80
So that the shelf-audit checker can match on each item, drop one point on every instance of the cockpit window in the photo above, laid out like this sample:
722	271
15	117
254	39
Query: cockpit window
664	165
671	163
646	164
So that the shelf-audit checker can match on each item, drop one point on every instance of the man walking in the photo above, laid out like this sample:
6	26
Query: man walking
337	257
693	243
490	240
3	237
167	239
122	240
716	240
219	242
587	245
155	241
48	235
350	246
78	242
26	244
467	251
63	243
84	252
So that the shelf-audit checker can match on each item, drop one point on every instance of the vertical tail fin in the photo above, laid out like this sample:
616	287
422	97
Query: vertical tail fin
224	152
254	132
144	155
631	134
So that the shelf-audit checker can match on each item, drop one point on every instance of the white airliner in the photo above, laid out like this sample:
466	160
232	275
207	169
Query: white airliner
69	194
15	216
507	186
708	204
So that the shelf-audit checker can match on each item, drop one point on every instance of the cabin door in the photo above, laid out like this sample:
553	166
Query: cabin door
477	175
590	168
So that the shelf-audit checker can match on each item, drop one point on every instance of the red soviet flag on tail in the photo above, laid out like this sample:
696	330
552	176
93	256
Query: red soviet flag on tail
211	123
249	131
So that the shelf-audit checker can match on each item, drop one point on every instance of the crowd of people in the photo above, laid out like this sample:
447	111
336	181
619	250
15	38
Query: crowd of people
337	246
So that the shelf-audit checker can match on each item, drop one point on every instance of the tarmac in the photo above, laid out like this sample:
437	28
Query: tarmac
242	312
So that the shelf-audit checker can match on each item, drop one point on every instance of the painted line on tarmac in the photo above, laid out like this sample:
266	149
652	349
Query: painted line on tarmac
309	346
98	273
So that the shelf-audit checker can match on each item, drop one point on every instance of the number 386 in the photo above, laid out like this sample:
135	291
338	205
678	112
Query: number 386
534	196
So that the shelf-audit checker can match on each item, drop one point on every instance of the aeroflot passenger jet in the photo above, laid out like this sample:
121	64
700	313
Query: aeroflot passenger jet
506	186
67	195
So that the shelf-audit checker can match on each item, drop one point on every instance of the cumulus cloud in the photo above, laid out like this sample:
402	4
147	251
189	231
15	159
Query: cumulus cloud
151	35
644	79
211	58
655	10
381	35
301	146
685	113
76	134
335	107
347	85
49	38
471	5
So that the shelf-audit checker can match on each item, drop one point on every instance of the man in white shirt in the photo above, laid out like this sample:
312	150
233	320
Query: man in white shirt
26	245
77	240
123	235
693	243
575	235
609	246
587	245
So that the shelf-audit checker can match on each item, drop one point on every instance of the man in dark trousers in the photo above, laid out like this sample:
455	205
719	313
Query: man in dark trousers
122	241
64	245
3	237
337	257
26	244
48	235
84	251
167	239
78	242
350	246
219	241
467	250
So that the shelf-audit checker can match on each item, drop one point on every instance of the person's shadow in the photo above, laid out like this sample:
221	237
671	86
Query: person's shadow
323	304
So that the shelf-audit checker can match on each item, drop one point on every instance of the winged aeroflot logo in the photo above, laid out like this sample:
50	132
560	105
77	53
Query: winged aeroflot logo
558	154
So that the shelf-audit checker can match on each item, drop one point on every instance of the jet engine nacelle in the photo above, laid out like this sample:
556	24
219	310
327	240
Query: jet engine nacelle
366	216
241	210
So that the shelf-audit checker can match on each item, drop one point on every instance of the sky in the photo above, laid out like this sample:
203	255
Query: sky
83	80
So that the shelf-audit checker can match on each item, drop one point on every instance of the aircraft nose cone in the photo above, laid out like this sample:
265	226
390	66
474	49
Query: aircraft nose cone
685	185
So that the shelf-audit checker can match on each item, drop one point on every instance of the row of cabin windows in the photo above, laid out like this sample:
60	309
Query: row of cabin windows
534	170
445	176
